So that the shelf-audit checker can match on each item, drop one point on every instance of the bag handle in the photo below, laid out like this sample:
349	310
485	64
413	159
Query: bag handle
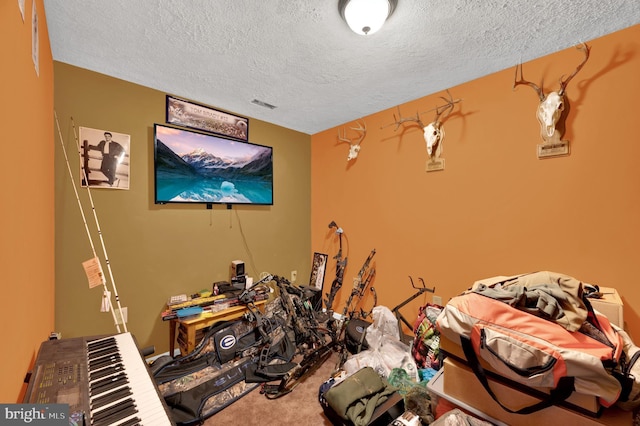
560	393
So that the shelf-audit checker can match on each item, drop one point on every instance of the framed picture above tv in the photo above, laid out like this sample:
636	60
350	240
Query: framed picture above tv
202	117
194	167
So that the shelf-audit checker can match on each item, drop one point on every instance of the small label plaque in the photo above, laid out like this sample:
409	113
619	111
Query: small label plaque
553	149
435	165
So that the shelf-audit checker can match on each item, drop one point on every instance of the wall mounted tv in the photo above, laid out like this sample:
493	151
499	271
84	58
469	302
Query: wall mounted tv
194	167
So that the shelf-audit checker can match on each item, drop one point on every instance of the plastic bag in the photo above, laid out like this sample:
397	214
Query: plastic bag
425	347
384	324
386	351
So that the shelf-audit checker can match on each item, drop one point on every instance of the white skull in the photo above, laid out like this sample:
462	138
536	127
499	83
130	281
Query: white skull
549	112
353	152
433	136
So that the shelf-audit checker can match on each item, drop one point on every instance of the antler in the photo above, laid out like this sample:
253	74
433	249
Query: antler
535	87
447	107
563	83
399	121
361	128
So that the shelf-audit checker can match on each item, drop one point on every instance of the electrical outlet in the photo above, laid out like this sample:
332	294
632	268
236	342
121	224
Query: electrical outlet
437	300
124	316
294	276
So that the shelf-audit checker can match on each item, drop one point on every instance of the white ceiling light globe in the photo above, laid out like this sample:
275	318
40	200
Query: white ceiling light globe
365	17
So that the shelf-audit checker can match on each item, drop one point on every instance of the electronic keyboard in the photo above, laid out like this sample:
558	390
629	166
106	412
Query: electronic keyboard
104	380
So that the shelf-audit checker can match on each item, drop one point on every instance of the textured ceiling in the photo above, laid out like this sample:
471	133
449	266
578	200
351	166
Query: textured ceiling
300	56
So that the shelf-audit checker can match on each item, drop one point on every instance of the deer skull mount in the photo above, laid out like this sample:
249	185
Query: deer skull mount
551	104
354	147
433	132
433	137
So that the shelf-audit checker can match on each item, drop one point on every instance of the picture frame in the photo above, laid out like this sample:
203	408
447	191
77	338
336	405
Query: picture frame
182	112
318	269
105	159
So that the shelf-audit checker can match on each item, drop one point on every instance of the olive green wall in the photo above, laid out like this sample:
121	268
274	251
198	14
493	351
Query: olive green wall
156	251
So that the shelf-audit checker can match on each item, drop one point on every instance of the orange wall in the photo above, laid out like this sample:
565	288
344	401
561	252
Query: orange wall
26	245
496	209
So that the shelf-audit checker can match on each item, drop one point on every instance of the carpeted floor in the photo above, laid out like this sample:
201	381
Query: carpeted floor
300	407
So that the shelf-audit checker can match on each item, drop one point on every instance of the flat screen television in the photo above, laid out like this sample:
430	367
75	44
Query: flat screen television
194	167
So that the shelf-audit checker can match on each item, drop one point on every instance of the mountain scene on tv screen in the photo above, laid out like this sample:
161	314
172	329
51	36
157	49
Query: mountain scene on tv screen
201	176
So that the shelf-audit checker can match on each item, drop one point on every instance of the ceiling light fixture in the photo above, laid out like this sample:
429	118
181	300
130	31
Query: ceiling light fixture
365	17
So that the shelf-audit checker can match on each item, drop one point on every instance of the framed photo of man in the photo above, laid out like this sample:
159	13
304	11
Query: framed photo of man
104	158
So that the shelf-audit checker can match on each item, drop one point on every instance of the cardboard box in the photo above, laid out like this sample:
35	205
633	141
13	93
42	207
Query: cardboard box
585	402
461	385
610	305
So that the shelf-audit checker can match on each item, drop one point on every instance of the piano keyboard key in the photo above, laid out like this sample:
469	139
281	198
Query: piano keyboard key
122	393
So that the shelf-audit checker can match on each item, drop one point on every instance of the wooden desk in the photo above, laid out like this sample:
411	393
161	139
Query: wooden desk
188	327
